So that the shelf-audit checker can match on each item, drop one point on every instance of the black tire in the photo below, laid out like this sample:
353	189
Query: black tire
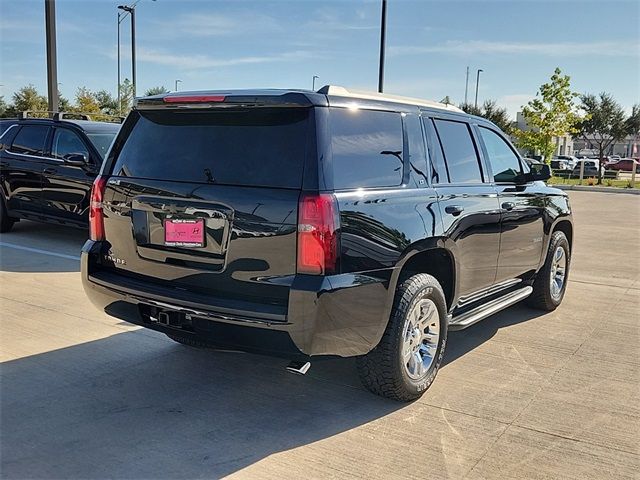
382	370
6	222
542	297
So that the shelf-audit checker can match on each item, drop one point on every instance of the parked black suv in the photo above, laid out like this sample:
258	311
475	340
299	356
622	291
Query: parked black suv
321	223
47	167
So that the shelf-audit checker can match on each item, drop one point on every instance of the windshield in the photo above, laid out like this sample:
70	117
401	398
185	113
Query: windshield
102	141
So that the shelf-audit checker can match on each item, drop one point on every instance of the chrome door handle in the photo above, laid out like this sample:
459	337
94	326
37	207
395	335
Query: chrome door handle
508	205
454	210
49	171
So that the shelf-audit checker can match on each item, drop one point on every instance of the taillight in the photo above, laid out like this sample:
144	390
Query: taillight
317	234
96	214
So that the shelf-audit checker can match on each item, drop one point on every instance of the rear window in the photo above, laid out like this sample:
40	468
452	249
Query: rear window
257	147
366	148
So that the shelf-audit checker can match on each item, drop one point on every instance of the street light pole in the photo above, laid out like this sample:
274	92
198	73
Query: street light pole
477	83
383	33
177	82
52	64
313	83
133	48
120	17
466	87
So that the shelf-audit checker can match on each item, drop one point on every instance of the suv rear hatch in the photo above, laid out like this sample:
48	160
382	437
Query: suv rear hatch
204	202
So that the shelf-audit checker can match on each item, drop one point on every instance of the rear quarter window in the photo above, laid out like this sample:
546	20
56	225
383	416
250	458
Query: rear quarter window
367	148
250	147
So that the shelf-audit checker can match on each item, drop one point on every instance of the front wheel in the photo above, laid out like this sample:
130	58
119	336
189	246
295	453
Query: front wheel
551	281
405	362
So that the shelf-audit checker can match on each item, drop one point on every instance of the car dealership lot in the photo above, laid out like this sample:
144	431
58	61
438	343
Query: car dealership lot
521	395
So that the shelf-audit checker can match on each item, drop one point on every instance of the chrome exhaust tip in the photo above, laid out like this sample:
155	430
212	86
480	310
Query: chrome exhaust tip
299	368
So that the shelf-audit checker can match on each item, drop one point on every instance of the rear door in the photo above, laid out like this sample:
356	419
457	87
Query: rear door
522	205
205	202
22	165
66	188
468	203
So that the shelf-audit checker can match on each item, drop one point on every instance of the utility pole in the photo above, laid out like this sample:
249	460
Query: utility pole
313	83
52	63
383	33
466	86
477	83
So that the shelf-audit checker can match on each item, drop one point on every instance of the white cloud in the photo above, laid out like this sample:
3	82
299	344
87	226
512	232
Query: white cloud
559	49
216	25
199	61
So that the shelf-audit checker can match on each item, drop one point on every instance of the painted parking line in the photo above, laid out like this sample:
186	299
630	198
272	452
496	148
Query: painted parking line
38	250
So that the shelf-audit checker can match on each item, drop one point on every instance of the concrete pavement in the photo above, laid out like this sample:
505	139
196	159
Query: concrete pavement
522	394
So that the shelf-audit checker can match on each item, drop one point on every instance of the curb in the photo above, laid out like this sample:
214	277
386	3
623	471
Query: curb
586	188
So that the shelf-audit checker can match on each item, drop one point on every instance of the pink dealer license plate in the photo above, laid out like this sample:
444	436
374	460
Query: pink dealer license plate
184	232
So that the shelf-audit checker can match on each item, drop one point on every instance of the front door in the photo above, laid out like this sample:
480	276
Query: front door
523	206
66	189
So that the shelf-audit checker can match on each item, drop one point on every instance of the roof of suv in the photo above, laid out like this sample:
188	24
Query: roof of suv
327	95
86	125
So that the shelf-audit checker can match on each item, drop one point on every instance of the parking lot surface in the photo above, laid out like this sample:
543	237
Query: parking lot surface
522	394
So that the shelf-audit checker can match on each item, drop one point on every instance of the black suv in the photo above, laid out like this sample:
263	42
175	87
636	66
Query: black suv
47	167
303	223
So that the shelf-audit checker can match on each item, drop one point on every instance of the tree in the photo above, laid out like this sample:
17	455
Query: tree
28	98
553	113
86	101
633	128
603	124
3	107
126	97
492	112
156	91
108	104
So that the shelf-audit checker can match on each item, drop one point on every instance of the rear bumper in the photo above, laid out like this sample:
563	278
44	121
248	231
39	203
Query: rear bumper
343	315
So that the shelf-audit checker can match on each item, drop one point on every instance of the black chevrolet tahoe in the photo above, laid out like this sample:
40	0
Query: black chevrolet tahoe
48	166
302	224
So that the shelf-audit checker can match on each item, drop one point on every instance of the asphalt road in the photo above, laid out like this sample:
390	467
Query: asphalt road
522	394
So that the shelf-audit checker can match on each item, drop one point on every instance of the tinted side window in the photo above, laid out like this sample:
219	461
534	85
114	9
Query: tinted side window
417	153
438	167
30	140
459	151
66	142
366	147
504	162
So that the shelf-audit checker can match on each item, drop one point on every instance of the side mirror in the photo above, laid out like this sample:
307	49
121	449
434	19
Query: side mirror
76	159
538	172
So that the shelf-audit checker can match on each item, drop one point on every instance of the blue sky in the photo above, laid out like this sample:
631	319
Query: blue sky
239	44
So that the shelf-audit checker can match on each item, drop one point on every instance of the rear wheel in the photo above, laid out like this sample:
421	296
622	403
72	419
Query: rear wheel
6	222
551	281
405	362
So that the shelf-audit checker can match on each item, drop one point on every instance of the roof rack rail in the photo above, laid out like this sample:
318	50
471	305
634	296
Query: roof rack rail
96	117
339	91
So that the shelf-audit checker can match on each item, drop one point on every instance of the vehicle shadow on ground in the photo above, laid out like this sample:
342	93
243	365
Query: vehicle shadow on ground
134	405
462	342
33	247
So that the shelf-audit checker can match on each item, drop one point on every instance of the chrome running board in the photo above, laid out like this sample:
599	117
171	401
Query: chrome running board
483	311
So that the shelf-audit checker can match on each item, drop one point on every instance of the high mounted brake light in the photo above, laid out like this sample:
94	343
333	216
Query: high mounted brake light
96	213
194	98
317	234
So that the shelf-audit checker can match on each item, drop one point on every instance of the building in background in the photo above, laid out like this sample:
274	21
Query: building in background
628	147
